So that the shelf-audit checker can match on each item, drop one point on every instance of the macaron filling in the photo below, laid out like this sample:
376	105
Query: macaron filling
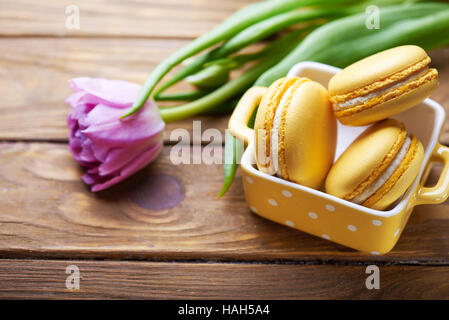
382	179
364	98
275	138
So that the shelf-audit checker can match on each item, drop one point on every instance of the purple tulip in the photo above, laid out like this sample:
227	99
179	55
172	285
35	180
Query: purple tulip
110	148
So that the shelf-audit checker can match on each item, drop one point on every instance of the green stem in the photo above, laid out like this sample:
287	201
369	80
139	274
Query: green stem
181	96
347	40
252	35
232	145
273	25
220	95
236	23
236	85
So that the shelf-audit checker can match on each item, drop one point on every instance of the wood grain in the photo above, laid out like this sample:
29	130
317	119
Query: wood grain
48	212
150	18
33	80
167	215
31	279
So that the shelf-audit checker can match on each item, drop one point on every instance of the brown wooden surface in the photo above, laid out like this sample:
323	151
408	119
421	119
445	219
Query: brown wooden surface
28	279
102	18
33	106
33	80
200	247
67	220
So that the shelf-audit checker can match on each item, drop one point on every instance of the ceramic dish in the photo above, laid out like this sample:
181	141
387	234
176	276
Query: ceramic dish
337	220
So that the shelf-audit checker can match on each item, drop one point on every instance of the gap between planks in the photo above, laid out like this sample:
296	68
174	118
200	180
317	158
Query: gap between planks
315	262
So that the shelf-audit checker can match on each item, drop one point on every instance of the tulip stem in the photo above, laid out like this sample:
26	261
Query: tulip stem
241	20
218	96
235	86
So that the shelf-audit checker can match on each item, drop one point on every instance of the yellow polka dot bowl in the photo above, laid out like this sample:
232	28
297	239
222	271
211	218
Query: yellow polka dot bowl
331	218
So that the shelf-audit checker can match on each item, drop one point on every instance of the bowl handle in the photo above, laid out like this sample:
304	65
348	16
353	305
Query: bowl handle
440	192
238	124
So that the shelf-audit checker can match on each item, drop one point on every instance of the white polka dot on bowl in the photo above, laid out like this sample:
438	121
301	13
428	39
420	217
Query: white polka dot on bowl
313	215
352	228
272	202
396	233
254	209
375	253
290	223
377	222
330	207
249	179
286	193
325	236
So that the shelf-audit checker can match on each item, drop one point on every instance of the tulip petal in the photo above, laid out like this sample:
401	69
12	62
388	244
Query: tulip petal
115	93
106	128
120	157
75	98
111	148
135	165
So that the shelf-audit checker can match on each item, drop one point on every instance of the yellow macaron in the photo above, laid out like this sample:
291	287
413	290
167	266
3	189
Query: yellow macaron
382	85
295	131
378	167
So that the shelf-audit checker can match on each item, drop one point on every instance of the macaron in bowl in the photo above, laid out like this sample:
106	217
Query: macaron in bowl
378	167
295	131
382	85
327	216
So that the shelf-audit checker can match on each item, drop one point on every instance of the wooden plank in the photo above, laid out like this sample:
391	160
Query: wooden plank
167	212
33	80
168	18
43	279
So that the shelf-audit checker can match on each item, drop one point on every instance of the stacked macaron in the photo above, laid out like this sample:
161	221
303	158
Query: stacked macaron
385	160
378	167
382	85
295	128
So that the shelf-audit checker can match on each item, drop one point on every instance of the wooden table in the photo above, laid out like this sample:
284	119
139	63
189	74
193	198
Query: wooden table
200	248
